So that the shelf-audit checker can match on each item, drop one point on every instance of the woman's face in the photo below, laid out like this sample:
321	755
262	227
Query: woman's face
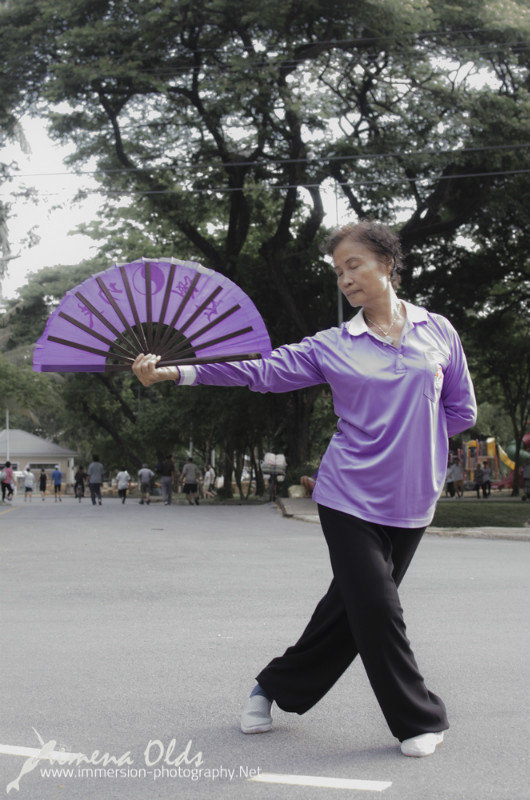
362	275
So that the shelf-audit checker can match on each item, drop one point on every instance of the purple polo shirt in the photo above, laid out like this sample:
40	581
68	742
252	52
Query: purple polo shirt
396	408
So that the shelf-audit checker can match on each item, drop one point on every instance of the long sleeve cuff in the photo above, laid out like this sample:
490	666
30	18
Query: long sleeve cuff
187	375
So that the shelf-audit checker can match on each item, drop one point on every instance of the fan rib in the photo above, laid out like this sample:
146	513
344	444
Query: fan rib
175	348
165	303
178	312
201	308
87	349
148	305
102	319
213	342
224	338
140	339
95	334
119	312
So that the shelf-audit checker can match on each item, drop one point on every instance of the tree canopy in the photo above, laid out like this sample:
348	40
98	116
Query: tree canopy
220	130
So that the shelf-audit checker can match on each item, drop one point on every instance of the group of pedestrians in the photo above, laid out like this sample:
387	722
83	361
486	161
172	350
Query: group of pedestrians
193	483
93	476
189	479
8	482
455	479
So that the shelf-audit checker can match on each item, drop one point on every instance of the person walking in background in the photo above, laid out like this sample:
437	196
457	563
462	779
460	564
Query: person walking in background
146	475
79	482
122	479
208	481
95	473
57	477
29	484
401	387
43	480
450	481
7	481
458	478
479	477
190	479
166	470
486	482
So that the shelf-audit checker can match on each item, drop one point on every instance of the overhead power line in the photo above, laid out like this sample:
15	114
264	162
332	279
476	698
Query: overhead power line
280	187
264	58
284	59
268	162
215	190
352	40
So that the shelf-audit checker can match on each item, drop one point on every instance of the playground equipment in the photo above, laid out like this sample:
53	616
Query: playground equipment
500	460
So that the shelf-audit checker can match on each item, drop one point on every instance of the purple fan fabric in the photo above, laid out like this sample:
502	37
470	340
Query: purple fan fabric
215	317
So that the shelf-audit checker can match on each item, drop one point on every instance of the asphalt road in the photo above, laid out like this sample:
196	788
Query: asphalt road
136	631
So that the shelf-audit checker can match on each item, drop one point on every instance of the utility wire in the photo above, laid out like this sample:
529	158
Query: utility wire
268	162
373	38
268	187
315	185
356	40
283	59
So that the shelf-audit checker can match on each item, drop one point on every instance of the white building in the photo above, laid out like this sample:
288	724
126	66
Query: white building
22	448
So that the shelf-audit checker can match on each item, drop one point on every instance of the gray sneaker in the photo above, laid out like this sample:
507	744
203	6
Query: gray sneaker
256	716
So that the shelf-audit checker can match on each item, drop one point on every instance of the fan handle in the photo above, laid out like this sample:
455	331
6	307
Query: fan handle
220	360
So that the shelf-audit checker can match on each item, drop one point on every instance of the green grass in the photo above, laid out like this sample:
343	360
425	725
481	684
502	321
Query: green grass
470	514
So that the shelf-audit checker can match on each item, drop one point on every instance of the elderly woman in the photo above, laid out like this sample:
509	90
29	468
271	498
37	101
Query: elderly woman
400	387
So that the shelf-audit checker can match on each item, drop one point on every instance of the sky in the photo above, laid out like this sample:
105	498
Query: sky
53	216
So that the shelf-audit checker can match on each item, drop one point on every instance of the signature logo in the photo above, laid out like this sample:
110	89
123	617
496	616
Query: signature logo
155	753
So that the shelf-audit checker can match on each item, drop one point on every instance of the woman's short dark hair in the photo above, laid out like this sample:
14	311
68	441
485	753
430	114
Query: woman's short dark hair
374	235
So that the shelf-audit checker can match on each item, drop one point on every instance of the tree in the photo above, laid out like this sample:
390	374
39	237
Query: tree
222	124
24	394
506	369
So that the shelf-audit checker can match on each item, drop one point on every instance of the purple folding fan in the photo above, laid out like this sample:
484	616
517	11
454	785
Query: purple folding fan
179	310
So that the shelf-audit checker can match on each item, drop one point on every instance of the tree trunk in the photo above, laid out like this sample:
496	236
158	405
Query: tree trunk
240	460
298	441
517	461
256	468
228	468
102	423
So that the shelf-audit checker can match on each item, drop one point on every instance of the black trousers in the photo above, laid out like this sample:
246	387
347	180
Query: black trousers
95	492
360	614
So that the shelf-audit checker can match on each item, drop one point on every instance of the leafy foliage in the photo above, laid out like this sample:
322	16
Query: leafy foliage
219	127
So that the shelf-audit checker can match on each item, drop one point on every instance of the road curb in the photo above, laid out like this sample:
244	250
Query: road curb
511	534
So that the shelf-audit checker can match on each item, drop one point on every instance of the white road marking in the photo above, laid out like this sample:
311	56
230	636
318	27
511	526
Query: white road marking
325	783
29	752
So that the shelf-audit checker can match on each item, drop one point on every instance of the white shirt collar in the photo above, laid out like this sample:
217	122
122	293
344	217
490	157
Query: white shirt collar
357	324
